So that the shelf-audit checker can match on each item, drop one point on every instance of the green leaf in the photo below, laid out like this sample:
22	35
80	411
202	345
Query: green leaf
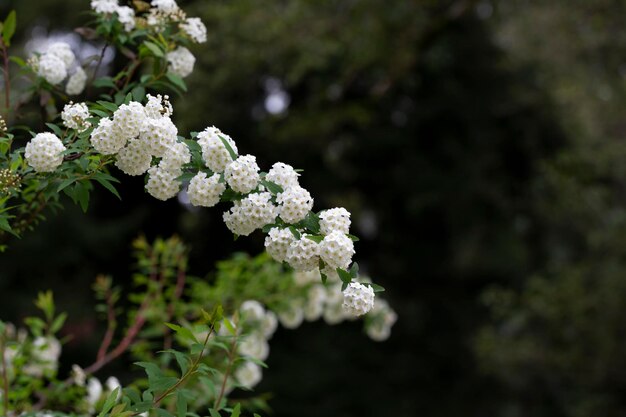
214	413
105	82
376	287
181	404
230	150
344	275
138	93
19	61
272	187
56	129
295	232
154	48
182	332
65	183
312	222
58	322
236	411
81	192
109	402
163	413
107	105
354	238
354	270
8	27
229	327
106	184
177	81
315	238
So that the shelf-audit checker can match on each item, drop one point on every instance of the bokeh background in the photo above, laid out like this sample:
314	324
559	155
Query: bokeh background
481	148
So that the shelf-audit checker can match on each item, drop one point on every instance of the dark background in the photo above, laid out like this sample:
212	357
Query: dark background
480	148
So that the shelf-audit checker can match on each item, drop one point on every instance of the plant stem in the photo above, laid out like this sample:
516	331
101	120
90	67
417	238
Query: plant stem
5	377
229	368
111	324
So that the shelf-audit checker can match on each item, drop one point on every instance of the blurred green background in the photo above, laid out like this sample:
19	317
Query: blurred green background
480	147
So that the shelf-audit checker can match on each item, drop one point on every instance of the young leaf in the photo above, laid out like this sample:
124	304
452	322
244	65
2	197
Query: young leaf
376	287
344	276
109	402
154	48
315	238
354	270
181	405
295	232
56	129
272	187
230	150
177	81
182	332
8	27
236	411
312	222
106	184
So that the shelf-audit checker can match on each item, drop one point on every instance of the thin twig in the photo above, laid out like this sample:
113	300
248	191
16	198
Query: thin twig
229	368
5	377
111	324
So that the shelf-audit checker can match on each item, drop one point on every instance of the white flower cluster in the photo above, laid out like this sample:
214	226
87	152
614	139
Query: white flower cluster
250	213
261	325
75	116
195	29
243	174
203	191
215	155
380	320
56	64
335	219
125	14
295	203
181	61
44	152
283	175
277	243
358	299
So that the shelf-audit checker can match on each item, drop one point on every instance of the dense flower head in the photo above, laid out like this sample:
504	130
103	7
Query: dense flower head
277	243
243	174
252	310
283	175
250	213
336	250
162	184
195	29
158	106
248	374
159	135
175	157
303	254
134	159
128	119
76	83
63	51
380	320
335	219
295	204
104	6
269	323
203	191
181	61
105	139
315	300
126	16
254	346
75	115
292	316
358	299
167	6
215	155
52	69
44	152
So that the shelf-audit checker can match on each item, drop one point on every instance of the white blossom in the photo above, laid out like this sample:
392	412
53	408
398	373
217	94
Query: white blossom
167	6
203	191
243	174
181	61
126	16
336	250
291	317
335	219
159	135
314	305
283	175
303	254
63	51
104	6
162	184
112	383
94	392
248	374
295	203
252	310
105	139
133	159
277	243
215	155
358	299
175	157
250	213
195	29
52	68
128	119
76	83
254	346
380	320
269	323
75	115
43	152
158	106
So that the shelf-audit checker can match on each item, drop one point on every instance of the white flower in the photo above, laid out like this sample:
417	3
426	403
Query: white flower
134	159
76	82
336	250
269	323
112	383
251	213
105	139
167	6
283	175
303	254
277	243
358	299
252	310
126	16
295	203
43	152
181	61
52	68
159	135
46	352
203	191
128	119
335	219
162	184
75	116
291	317
78	375
63	51
248	375
215	155
254	346
195	29
243	174
158	106
175	157
94	392
303	278
104	6
380	320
